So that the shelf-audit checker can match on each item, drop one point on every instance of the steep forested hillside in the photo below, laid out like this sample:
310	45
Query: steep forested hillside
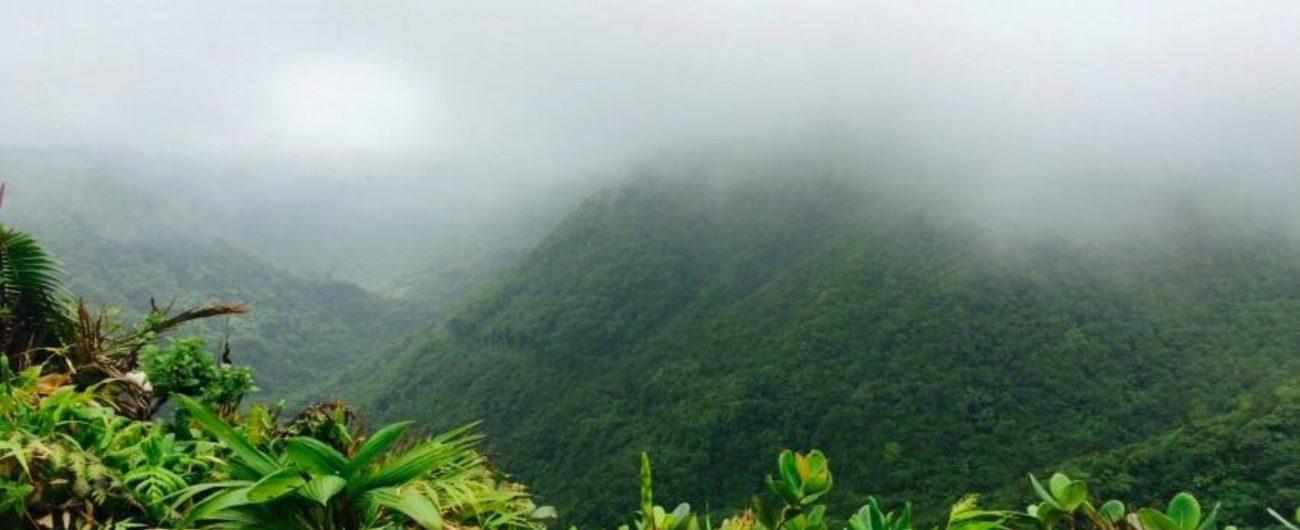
1244	459
298	333
124	245
713	327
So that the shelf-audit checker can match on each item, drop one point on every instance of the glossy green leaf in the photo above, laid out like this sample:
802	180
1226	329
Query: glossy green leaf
214	505
315	456
1043	493
1112	511
413	464
788	465
877	518
818	477
1057	484
322	488
375	446
249	456
411	504
904	521
1073	495
275	485
1154	520
1185	511
861	520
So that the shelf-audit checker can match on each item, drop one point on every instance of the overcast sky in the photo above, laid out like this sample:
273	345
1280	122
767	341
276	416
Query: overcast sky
1029	93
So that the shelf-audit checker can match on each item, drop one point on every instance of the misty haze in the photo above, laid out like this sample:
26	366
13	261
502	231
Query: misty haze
710	265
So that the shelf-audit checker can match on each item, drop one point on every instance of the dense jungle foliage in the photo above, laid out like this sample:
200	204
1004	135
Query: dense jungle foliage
83	444
711	329
716	326
82	447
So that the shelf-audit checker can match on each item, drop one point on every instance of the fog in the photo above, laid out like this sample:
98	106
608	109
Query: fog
1026	113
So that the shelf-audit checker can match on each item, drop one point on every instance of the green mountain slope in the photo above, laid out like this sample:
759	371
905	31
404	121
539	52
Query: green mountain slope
298	333
713	327
1245	459
124	245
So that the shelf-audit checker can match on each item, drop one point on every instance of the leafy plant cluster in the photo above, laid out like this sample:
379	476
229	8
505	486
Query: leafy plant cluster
792	502
83	446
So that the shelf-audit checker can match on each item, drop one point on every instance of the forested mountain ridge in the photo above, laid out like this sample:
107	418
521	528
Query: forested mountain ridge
716	327
85	445
415	233
124	246
298	332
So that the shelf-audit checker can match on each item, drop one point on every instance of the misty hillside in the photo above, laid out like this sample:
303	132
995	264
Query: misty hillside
715	324
298	333
412	235
670	265
124	246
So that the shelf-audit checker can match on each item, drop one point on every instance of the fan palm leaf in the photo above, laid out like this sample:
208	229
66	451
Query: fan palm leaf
35	307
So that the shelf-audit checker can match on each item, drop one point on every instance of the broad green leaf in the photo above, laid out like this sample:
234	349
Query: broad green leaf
183	496
275	485
862	519
1073	495
904	521
789	467
1057	485
1154	520
682	512
411	465
406	468
877	517
544	512
1047	514
315	456
977	525
818	478
255	460
1043	494
214	505
1112	511
322	488
1185	511
377	445
411	503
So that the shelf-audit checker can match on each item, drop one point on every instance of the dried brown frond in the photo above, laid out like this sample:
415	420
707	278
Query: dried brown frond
200	313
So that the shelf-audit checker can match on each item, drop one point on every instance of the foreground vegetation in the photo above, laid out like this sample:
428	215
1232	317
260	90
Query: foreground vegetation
86	441
105	425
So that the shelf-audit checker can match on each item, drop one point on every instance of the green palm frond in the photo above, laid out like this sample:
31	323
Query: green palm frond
35	306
